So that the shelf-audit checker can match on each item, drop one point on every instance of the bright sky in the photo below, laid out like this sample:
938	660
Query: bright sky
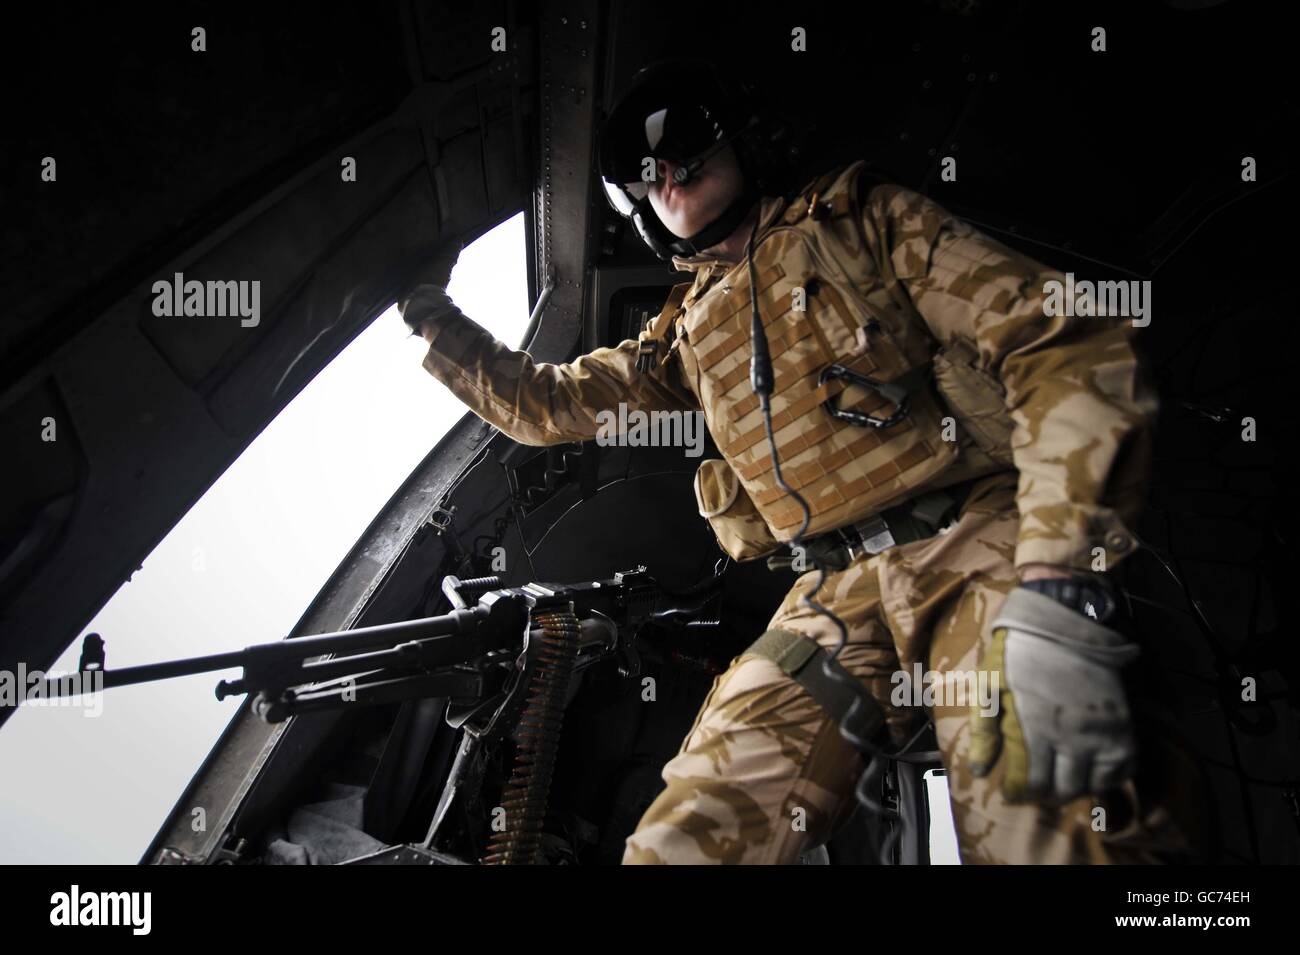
240	568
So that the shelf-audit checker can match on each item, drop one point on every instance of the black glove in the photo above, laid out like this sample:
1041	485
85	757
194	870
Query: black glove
427	299
428	303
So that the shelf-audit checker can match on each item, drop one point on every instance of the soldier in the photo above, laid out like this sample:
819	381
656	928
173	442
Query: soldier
965	467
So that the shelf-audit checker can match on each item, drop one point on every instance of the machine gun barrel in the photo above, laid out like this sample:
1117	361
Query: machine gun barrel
410	653
269	663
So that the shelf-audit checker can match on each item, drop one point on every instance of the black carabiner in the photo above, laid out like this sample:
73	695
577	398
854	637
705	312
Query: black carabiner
895	394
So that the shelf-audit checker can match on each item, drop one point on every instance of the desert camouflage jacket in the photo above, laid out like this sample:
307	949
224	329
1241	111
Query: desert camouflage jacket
1080	407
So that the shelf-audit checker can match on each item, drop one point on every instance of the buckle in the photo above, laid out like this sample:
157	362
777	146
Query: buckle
871	536
647	354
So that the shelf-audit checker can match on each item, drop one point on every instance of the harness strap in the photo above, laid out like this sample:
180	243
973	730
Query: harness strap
801	658
922	517
653	339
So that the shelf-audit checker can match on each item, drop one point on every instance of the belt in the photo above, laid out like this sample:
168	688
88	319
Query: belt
923	516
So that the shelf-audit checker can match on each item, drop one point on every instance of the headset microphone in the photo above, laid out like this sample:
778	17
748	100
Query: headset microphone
683	173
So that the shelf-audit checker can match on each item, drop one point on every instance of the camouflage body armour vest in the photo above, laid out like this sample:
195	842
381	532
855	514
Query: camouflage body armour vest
824	301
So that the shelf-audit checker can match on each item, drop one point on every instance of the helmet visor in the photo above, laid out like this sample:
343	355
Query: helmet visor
625	196
680	132
677	132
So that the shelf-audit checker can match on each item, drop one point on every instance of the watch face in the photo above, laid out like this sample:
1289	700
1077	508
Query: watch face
1089	598
1097	603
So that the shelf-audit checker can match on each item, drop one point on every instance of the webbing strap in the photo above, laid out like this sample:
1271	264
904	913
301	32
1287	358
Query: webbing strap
652	340
801	659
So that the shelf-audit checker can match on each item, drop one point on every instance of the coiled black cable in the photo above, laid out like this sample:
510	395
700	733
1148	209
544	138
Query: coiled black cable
853	723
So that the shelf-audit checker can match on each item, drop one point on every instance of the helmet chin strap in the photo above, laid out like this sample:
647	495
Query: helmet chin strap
721	227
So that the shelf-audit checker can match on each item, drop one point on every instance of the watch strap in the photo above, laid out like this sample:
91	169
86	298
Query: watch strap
1088	595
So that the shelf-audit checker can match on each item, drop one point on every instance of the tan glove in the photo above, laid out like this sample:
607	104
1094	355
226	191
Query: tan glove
1063	726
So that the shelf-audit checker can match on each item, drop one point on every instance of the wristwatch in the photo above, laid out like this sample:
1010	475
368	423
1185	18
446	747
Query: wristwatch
1090	596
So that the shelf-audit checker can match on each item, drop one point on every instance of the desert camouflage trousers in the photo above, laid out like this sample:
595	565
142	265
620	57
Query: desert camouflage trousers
762	754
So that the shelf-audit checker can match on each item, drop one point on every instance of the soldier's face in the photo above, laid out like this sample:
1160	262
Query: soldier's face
685	210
